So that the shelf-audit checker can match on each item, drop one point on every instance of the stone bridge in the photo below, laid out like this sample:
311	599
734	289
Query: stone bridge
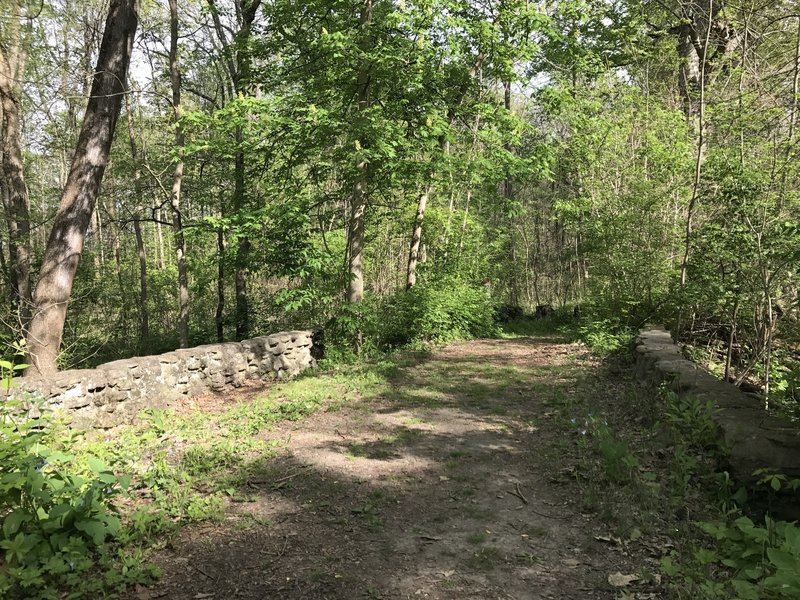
114	393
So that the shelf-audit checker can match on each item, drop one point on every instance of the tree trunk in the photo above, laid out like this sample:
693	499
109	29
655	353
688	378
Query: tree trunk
220	312
141	251
12	179
355	285
242	251
65	244
177	179
416	237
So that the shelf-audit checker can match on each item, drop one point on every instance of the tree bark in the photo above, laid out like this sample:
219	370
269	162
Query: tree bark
78	199
355	285
416	238
12	178
177	179
219	315
141	251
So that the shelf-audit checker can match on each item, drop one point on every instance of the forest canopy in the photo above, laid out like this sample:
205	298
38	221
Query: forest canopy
398	172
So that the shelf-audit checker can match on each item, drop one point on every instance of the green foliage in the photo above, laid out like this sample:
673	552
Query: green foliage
57	509
748	561
434	313
605	336
691	421
619	464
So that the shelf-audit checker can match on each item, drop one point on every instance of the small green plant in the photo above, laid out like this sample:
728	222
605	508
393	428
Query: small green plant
604	336
618	462
56	508
477	537
775	481
485	558
749	561
692	420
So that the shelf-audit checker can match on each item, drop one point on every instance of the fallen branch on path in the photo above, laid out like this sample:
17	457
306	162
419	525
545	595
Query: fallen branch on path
518	493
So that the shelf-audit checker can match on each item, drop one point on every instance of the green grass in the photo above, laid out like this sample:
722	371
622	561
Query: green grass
477	538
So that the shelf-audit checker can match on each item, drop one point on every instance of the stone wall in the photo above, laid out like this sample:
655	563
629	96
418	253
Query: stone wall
754	437
115	392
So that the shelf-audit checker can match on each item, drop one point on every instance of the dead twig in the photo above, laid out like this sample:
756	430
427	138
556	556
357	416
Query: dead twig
292	475
285	545
199	570
256	482
520	495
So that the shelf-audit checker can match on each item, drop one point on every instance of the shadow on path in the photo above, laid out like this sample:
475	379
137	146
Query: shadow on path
451	485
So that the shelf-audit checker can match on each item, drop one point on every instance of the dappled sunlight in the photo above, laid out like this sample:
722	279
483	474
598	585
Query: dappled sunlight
357	457
444	480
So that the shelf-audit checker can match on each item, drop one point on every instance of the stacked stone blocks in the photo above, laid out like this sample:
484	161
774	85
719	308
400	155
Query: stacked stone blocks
115	393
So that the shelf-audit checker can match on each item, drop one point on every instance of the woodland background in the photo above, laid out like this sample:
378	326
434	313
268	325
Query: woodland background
367	166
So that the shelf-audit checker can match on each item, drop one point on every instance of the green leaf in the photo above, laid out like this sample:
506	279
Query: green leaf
57	456
13	521
93	528
745	590
113	524
705	556
107	478
59	511
783	560
97	465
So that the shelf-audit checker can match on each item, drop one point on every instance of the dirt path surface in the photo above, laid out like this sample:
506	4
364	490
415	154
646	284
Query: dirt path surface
459	483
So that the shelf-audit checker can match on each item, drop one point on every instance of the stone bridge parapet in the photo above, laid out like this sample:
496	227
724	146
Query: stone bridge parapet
755	438
114	393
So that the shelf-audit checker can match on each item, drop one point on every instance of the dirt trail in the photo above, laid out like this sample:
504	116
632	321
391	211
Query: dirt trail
457	484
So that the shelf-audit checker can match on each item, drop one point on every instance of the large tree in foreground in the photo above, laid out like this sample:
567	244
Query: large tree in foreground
78	198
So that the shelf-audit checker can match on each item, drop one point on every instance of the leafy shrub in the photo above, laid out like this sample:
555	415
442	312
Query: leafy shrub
56	508
435	312
605	336
692	421
616	459
763	561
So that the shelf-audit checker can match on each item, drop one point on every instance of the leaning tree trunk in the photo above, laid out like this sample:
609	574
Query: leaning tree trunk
12	179
78	199
416	239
